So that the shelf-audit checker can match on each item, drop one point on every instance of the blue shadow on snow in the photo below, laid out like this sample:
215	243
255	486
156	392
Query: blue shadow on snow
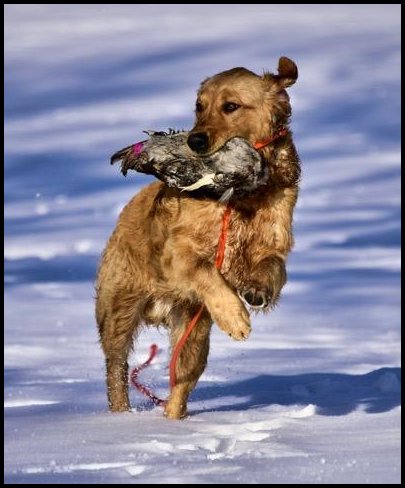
331	393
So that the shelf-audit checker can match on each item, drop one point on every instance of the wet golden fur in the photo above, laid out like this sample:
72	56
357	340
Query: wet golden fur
158	266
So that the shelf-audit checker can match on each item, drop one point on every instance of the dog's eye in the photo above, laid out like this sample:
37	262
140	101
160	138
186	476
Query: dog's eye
198	107
229	107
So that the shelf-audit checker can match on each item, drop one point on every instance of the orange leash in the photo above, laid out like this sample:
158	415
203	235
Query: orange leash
226	217
282	131
177	350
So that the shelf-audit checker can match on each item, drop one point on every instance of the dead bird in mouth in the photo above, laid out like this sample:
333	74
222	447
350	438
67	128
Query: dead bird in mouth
237	167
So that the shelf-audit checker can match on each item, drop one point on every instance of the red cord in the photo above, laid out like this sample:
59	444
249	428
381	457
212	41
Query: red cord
180	344
282	131
139	386
219	259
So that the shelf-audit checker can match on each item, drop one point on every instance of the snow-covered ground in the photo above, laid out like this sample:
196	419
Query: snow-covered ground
314	395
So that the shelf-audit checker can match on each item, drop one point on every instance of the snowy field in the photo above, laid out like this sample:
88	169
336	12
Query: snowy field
314	396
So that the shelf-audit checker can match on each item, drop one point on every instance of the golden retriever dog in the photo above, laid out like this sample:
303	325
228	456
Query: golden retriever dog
158	266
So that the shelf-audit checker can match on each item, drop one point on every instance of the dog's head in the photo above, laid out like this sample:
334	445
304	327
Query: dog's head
239	103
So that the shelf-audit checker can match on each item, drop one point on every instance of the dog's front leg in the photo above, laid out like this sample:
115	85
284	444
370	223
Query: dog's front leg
191	361
265	282
196	277
225	307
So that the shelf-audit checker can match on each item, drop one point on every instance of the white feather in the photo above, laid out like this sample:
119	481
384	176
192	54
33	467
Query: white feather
204	181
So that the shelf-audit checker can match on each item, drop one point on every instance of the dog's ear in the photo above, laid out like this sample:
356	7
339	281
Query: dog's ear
287	72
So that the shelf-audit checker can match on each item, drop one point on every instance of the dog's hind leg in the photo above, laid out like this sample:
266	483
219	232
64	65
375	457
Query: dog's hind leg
117	326
191	362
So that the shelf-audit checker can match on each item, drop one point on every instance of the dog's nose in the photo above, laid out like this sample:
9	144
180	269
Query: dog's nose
198	142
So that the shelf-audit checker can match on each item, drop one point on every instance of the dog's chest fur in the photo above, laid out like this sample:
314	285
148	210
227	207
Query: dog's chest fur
259	227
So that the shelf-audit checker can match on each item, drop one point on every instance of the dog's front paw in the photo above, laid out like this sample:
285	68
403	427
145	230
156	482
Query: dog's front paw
265	284
236	324
255	297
